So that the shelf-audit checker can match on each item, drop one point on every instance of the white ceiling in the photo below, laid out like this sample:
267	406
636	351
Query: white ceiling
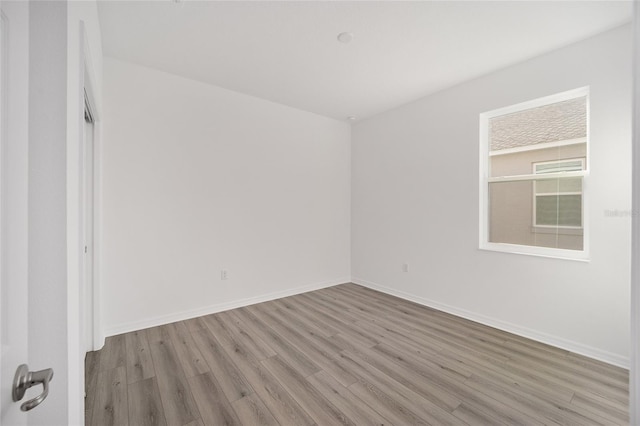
287	52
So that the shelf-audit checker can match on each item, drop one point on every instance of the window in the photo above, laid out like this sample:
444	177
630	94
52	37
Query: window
533	165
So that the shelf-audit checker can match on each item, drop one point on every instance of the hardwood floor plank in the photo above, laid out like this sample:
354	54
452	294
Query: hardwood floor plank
427	388
533	347
411	326
219	329
191	360
481	402
145	407
524	355
252	411
178	403
335	319
386	405
332	304
295	358
543	411
321	351
281	404
114	353
474	417
521	378
412	311
615	413
340	396
424	350
111	406
233	383
458	373
139	363
404	396
196	324
346	344
446	341
243	334
211	401
306	395
612	370
91	368
614	391
387	331
292	323
158	334
291	306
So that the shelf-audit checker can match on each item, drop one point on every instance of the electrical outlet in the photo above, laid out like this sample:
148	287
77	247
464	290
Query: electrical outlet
405	267
224	274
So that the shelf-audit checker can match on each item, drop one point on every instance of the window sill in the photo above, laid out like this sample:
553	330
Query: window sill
552	253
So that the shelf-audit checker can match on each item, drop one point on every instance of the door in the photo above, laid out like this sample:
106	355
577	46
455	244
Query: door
14	27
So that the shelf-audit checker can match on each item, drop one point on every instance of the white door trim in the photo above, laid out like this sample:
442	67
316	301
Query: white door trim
81	77
89	87
97	334
634	374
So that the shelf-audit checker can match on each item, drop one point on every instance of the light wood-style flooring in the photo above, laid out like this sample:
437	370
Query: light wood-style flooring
345	355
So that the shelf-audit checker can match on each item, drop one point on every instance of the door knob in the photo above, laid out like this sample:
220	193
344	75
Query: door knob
25	379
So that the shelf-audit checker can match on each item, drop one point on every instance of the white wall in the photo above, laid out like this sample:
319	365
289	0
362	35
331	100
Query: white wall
197	179
415	200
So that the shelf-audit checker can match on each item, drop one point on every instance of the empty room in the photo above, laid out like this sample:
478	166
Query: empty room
319	212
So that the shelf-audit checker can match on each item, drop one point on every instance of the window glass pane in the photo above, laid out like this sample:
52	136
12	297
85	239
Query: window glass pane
570	185
511	216
559	166
524	163
561	185
559	210
547	186
555	122
545	134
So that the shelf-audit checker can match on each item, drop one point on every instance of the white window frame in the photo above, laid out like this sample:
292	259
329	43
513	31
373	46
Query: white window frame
535	223
484	180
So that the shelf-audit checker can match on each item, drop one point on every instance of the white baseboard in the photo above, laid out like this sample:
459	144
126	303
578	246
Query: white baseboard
576	347
220	307
98	340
